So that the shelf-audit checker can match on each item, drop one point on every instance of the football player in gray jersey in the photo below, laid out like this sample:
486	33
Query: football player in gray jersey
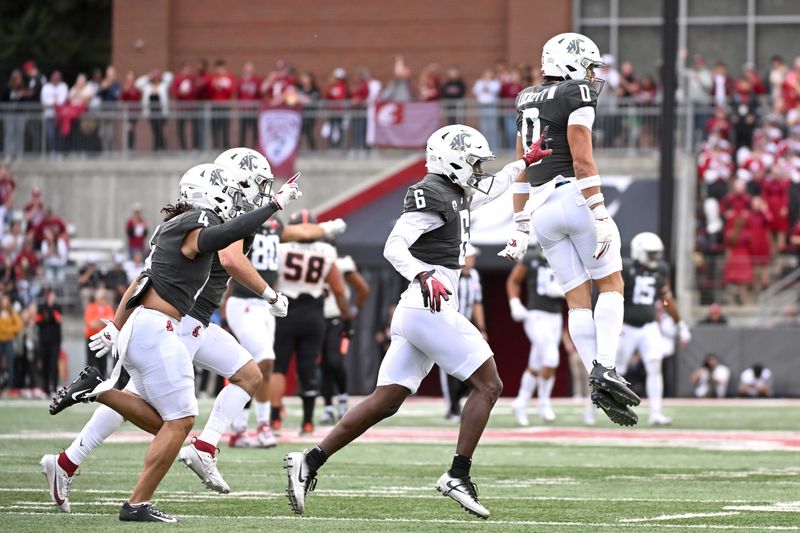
150	315
427	246
560	199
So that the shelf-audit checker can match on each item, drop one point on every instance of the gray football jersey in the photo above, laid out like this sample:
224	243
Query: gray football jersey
540	275
643	288
445	246
176	278
550	104
264	255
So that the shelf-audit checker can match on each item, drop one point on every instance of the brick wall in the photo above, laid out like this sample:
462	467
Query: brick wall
322	35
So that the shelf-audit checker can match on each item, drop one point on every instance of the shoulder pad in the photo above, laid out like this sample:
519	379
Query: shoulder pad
423	196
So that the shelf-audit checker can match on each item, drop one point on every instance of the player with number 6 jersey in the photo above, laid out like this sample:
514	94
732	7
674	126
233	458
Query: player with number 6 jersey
560	199
428	246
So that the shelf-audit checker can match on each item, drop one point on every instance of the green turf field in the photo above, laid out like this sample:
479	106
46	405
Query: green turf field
728	466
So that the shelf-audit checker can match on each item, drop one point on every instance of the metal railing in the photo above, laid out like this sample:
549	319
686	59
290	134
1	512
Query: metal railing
123	128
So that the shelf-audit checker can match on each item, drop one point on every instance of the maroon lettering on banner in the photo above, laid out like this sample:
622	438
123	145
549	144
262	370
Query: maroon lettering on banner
403	124
279	137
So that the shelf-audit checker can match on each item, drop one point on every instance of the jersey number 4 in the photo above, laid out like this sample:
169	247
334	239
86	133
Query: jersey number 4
298	269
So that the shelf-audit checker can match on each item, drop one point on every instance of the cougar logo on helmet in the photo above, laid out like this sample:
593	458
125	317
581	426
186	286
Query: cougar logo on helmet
576	47
216	177
461	141
248	162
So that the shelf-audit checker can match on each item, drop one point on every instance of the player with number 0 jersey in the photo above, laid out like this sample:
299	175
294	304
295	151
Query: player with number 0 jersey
560	200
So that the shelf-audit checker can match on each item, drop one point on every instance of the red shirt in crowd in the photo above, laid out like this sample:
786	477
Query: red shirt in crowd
510	89
130	94
733	203
136	229
776	194
53	223
249	88
7	186
336	91
222	87
360	92
184	87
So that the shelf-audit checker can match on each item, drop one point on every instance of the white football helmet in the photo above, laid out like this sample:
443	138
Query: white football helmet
647	249
569	55
457	152
252	172
210	186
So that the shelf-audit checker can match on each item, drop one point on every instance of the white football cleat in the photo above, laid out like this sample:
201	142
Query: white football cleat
265	437
59	484
205	466
659	420
520	413
300	480
547	414
590	415
242	439
464	492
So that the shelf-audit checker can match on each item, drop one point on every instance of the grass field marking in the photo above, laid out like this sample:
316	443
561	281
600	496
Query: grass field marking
777	507
462	522
682	516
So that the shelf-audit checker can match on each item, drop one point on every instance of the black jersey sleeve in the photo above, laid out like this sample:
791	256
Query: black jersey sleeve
577	94
217	237
424	198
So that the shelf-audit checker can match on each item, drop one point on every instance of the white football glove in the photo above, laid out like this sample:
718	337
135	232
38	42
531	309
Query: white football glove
333	228
684	335
288	193
105	341
279	308
516	246
518	311
605	231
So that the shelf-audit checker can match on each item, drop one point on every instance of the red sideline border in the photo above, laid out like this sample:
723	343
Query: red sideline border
408	174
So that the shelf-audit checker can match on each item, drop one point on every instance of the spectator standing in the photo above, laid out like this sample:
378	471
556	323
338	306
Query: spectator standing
628	81
698	89
222	88
26	272
745	107
136	229
97	311
116	280
756	382
711	379
14	123
774	78
791	85
399	87
89	281
775	191
359	99
759	222
429	81
738	265
54	252
10	326
33	212
486	91
308	96
453	90
80	97
155	103
608	120
134	266
131	95
7	186
109	93
49	318
50	221
54	94
248	91
721	85
34	83
276	83
184	90
13	241
337	92
714	316
509	90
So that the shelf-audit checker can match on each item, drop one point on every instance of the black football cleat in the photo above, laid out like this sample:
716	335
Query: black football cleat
616	412
608	380
144	512
77	391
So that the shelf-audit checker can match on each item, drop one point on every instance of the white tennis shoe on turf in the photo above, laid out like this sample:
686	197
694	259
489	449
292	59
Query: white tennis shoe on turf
59	483
205	466
265	437
520	411
464	491
547	414
659	420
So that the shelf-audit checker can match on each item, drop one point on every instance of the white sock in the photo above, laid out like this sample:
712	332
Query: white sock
584	335
241	421
526	387
655	387
545	390
343	398
608	313
227	406
262	412
103	423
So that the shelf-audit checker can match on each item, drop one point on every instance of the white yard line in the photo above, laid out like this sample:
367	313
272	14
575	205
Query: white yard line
683	516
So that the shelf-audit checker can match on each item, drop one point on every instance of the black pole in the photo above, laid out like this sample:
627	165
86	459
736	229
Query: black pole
666	184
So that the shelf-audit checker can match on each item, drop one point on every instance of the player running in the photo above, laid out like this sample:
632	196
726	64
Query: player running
427	246
543	324
150	314
305	270
646	282
560	199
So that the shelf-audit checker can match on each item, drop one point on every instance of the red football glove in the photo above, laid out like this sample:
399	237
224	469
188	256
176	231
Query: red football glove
535	152
432	291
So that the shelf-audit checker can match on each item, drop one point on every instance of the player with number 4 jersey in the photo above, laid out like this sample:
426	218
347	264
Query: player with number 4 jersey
560	200
428	246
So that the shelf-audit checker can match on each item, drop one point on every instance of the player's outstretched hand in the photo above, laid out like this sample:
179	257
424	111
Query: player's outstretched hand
280	306
333	228
105	341
288	193
516	247
535	153
432	291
